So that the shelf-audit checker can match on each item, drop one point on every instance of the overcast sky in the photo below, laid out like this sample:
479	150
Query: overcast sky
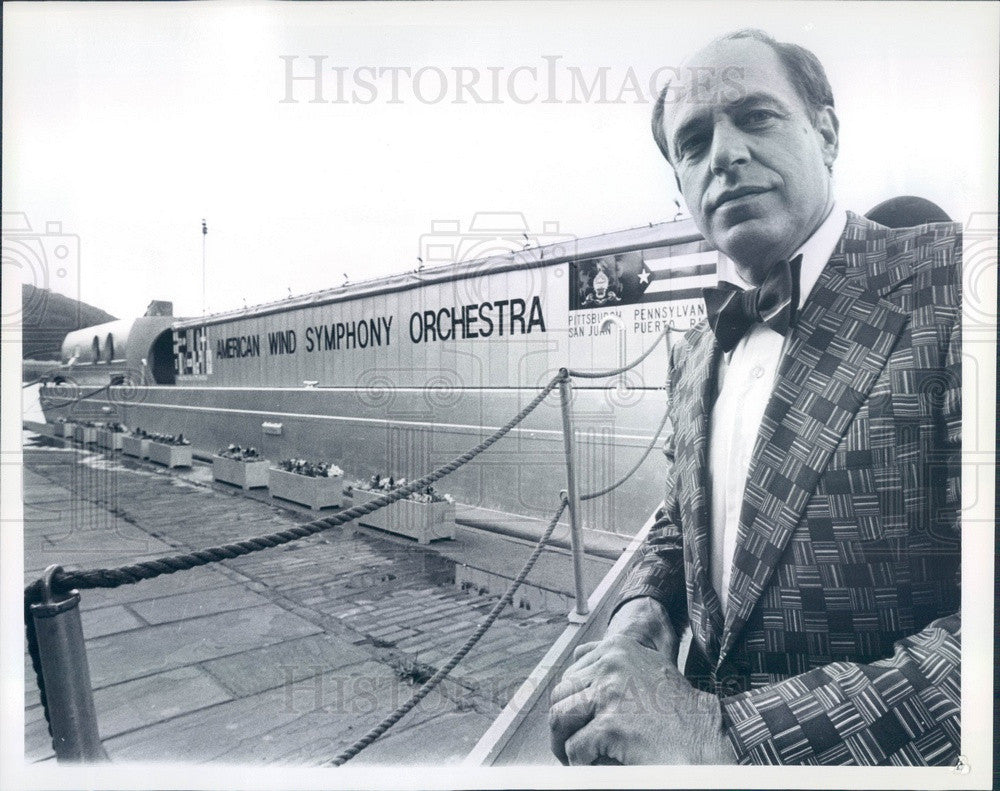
130	123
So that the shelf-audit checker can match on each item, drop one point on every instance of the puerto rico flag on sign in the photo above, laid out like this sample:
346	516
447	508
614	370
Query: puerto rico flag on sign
653	275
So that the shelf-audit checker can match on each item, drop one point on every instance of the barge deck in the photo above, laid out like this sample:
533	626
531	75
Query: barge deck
289	655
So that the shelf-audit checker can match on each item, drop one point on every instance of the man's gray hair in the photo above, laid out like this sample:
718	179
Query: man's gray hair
804	71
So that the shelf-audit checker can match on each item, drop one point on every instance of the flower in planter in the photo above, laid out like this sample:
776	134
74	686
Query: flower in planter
429	495
239	453
380	485
377	484
162	439
311	469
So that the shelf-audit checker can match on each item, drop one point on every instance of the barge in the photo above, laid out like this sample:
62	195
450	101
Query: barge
399	374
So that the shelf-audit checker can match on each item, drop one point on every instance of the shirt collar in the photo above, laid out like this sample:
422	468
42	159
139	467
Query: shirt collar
815	251
818	248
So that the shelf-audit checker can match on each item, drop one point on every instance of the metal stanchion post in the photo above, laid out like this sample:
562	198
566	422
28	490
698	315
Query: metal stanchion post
579	613
66	676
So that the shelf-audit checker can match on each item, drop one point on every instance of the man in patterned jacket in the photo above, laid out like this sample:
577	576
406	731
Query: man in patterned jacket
809	537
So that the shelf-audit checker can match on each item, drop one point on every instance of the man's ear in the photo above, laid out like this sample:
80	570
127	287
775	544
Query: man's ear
827	125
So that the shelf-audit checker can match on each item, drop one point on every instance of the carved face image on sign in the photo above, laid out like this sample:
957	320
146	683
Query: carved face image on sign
599	283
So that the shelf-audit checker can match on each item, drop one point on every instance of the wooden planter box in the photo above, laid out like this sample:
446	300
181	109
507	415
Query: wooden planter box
111	440
425	522
245	474
64	430
135	446
170	455
314	493
85	434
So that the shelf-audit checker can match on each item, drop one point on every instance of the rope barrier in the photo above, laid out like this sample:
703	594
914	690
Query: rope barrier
624	368
635	467
62	581
458	656
508	596
77	399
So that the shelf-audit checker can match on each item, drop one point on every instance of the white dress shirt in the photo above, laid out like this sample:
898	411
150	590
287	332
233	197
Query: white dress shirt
747	378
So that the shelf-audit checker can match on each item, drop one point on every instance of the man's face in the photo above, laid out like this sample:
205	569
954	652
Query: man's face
751	165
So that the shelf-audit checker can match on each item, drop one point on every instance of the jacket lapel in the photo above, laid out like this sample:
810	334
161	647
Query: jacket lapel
839	345
696	390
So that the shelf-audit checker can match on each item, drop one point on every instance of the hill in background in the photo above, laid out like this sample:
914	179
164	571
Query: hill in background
47	317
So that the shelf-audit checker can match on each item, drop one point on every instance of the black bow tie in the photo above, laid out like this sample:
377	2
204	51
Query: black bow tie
732	311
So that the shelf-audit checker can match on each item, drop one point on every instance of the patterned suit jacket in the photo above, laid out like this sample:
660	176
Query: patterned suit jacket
841	640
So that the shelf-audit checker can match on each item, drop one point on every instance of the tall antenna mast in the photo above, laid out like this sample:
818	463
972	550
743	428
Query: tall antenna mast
204	237
203	341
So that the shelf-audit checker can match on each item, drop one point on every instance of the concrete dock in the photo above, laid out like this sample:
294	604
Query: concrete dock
286	655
